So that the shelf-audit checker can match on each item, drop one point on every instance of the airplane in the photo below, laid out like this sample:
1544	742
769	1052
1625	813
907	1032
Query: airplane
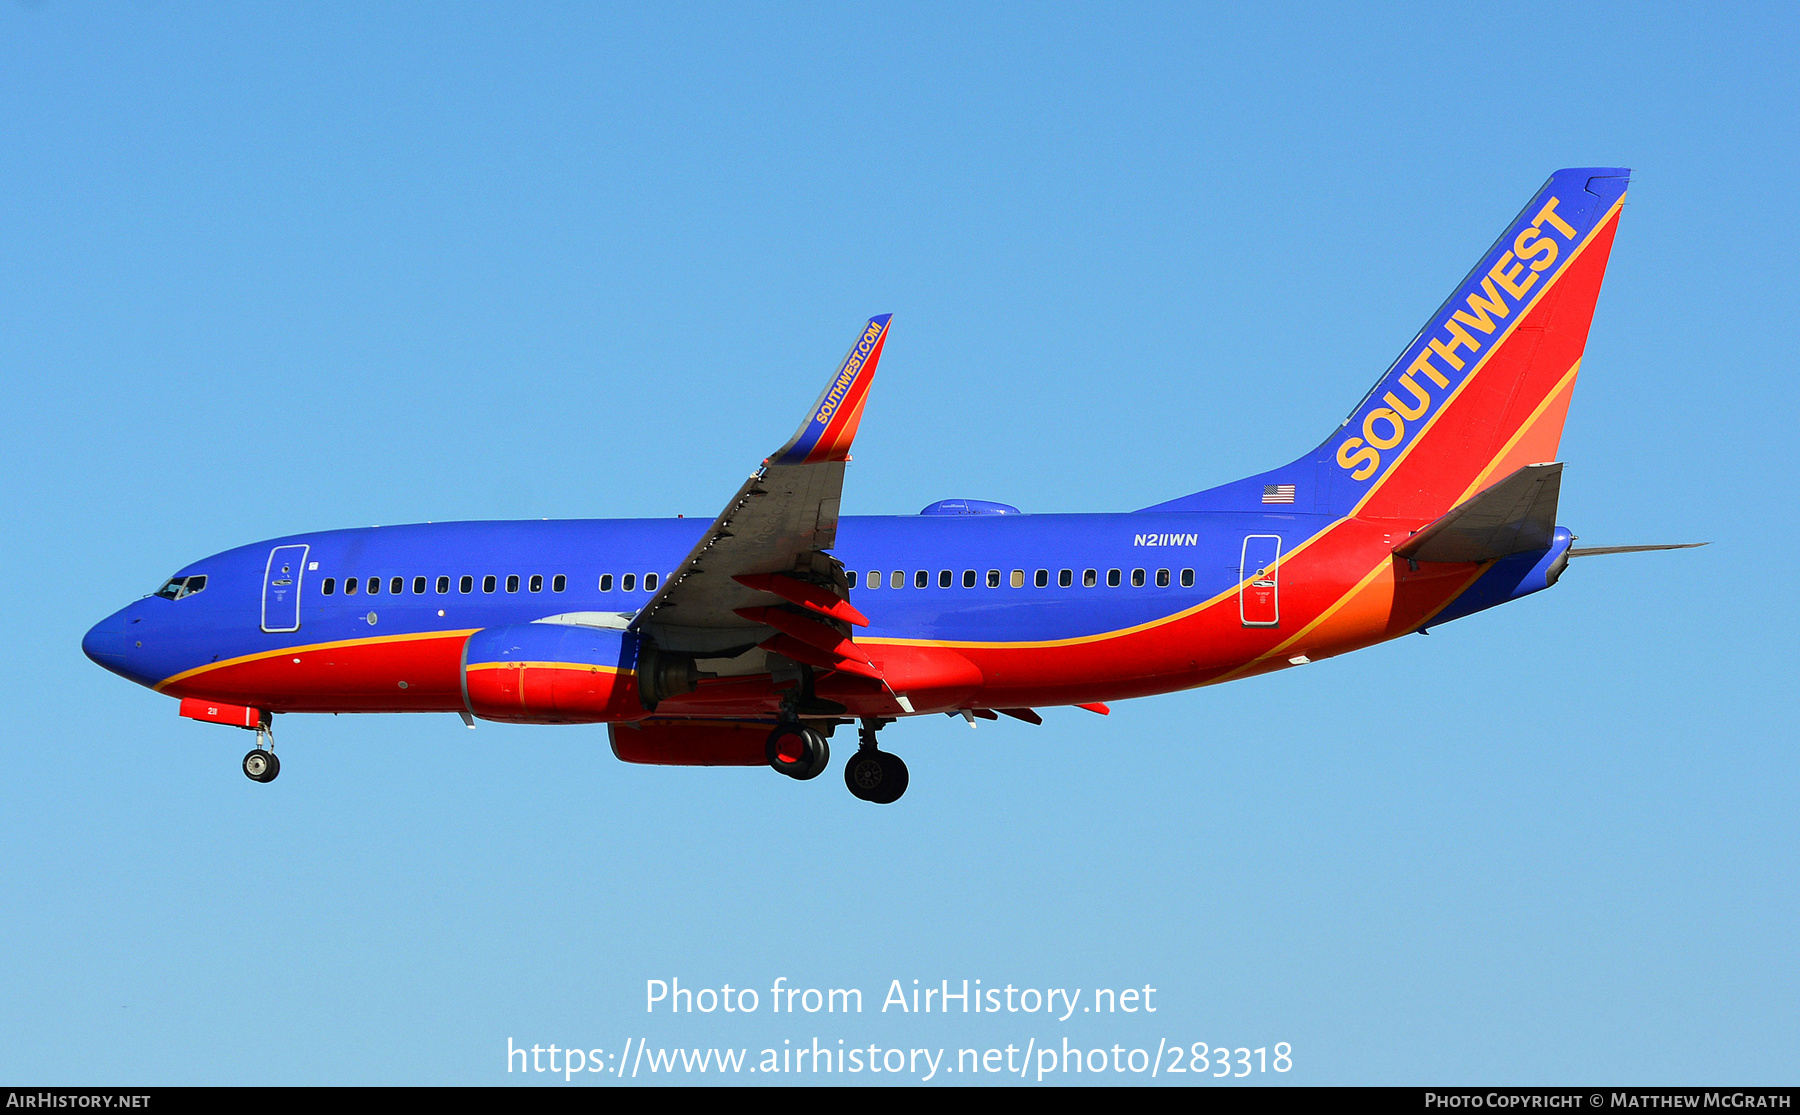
749	640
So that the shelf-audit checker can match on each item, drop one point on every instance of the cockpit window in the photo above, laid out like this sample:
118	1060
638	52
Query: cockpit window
179	587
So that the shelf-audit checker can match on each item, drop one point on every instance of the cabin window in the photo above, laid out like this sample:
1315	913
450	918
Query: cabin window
512	582
374	585
898	579
628	583
558	583
922	579
489	583
397	585
968	578
1187	578
329	587
1089	578
873	580
537	582
649	582
1137	578
1113	578
946	578
1018	578
418	586
1065	578
443	586
850	578
349	586
993	578
606	582
1041	579
467	584
1162	578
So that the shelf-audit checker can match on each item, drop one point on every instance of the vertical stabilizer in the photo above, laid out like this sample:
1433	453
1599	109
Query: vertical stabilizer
1483	389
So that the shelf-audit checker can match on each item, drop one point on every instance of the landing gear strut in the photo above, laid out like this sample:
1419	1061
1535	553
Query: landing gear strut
261	765
873	774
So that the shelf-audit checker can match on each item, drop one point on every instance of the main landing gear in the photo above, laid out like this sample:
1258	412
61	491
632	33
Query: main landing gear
801	752
873	774
798	751
261	765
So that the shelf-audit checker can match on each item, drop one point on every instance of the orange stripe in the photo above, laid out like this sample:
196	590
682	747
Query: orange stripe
586	666
310	648
1562	386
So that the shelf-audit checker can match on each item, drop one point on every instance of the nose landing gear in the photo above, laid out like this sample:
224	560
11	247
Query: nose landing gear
261	765
873	774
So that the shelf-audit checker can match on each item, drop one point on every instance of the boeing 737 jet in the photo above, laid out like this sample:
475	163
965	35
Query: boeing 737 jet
750	639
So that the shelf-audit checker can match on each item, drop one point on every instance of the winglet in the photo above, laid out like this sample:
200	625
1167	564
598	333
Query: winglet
830	426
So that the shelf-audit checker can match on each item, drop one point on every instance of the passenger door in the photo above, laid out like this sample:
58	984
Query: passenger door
1259	581
281	588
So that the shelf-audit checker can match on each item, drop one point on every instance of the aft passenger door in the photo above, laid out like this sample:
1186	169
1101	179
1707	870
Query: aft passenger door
1259	581
281	588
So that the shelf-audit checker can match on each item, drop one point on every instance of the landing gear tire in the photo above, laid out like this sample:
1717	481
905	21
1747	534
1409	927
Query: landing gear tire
261	766
800	753
876	776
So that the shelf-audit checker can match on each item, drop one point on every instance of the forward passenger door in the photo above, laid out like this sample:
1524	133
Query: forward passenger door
281	588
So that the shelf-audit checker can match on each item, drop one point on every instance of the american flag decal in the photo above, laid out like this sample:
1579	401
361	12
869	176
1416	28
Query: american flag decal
1278	493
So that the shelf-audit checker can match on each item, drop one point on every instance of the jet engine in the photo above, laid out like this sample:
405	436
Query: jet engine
550	673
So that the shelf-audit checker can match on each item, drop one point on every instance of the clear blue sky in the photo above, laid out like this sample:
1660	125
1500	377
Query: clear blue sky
266	269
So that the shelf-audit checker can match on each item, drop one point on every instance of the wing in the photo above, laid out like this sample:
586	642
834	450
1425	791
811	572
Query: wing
761	575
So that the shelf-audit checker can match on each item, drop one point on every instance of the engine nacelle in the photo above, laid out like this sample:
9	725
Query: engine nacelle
550	673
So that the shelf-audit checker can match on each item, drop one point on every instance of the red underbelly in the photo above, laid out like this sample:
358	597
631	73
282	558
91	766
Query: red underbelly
416	673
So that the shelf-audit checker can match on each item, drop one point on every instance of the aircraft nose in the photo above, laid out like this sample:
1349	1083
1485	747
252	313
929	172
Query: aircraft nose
105	641
108	645
116	644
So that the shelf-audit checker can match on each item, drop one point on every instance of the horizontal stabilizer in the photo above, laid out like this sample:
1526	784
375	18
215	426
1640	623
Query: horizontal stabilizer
1515	516
1593	551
